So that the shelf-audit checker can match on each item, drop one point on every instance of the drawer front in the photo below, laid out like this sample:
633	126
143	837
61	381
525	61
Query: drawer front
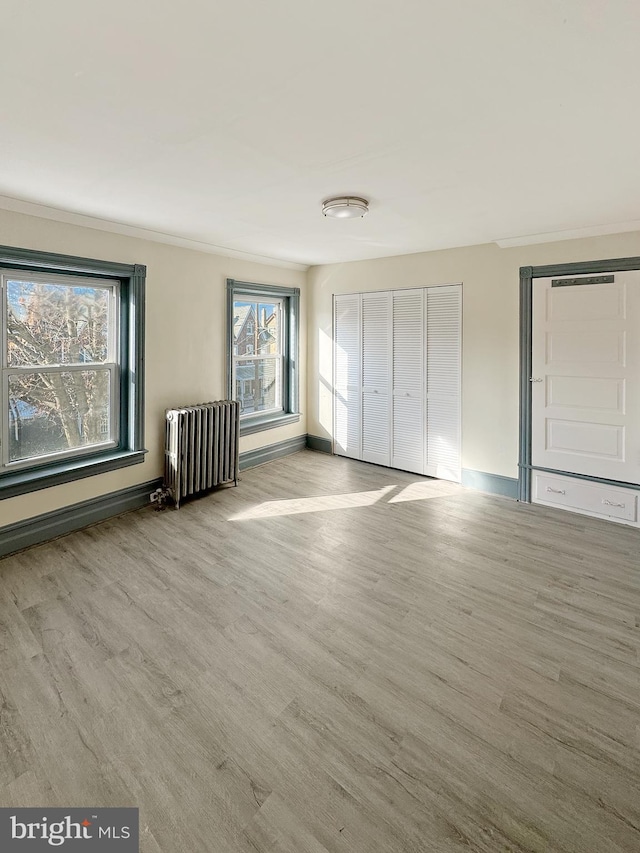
607	501
551	490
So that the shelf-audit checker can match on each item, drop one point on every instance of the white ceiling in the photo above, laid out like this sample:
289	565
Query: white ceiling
227	122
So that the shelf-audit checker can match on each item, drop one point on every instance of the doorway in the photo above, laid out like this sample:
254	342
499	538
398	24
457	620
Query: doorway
580	387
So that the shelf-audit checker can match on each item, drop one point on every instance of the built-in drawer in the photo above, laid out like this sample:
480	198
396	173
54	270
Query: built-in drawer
582	495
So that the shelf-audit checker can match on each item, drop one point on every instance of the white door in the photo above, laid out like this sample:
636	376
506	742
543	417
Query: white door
443	382
408	380
376	377
586	376
347	377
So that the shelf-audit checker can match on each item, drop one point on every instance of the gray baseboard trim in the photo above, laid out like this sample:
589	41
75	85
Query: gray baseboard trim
49	525
252	458
495	484
322	445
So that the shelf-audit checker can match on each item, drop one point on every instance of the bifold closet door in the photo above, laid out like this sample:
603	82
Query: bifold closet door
376	377
408	435
347	376
397	361
443	382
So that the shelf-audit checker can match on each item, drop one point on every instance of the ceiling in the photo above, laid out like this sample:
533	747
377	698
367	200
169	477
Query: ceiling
227	123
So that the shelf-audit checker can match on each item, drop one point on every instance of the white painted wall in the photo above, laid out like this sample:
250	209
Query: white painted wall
490	276
185	351
185	340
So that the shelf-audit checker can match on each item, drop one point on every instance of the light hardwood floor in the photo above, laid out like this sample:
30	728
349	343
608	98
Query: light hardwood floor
331	657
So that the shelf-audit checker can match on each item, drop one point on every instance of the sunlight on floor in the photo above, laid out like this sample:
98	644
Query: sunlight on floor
423	491
319	503
420	491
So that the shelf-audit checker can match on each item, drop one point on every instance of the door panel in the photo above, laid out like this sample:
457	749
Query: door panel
408	341
599	348
376	377
375	428
408	432
408	380
586	377
604	441
347	382
584	392
376	341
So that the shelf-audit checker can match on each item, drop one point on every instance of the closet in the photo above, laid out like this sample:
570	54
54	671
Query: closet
397	364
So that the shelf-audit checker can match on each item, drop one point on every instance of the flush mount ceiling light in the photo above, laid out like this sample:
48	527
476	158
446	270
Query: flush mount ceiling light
345	207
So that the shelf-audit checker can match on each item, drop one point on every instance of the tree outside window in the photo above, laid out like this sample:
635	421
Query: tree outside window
60	366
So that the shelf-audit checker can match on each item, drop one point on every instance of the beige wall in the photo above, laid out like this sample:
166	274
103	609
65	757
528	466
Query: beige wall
490	278
185	330
185	339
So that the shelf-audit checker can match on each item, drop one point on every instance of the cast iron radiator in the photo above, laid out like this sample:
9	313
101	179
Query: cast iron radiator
201	448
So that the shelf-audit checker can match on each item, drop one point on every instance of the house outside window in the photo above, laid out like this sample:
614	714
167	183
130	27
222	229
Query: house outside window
263	353
71	363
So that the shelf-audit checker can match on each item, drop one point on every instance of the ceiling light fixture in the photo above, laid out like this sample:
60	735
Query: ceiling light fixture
345	207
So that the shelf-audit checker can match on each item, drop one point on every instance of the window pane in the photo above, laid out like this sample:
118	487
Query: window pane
52	412
256	327
56	323
268	328
244	327
259	385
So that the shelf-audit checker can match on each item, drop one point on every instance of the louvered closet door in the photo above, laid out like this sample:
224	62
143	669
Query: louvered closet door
376	378
408	381
444	340
347	380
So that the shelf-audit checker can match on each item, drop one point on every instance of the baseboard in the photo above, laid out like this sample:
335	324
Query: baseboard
252	458
49	525
495	484
322	445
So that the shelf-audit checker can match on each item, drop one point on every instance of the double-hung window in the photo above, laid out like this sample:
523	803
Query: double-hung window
263	353
71	400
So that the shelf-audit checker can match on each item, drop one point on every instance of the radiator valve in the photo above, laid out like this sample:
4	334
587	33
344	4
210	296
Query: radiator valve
161	497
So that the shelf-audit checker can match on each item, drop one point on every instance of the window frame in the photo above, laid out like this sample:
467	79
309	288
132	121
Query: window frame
111	364
129	279
290	299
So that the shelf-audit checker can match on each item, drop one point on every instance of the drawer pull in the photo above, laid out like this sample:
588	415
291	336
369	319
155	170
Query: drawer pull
607	502
555	491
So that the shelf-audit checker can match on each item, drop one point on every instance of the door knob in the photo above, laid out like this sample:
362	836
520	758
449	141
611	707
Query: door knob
534	379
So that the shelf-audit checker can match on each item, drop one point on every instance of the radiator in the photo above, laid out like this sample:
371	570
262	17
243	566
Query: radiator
201	449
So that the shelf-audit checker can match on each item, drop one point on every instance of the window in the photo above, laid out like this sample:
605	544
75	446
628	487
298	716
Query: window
71	360
263	353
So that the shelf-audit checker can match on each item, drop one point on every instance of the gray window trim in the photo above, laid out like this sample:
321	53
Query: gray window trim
290	391
130	449
527	276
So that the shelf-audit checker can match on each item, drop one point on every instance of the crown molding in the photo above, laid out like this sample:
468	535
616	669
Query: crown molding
56	214
572	234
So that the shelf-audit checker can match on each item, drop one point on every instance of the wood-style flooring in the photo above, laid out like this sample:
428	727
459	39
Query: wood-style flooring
331	657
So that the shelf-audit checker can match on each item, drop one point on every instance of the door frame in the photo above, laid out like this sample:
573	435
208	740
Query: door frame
528	275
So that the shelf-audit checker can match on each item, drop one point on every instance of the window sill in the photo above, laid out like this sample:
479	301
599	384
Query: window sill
258	424
31	480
